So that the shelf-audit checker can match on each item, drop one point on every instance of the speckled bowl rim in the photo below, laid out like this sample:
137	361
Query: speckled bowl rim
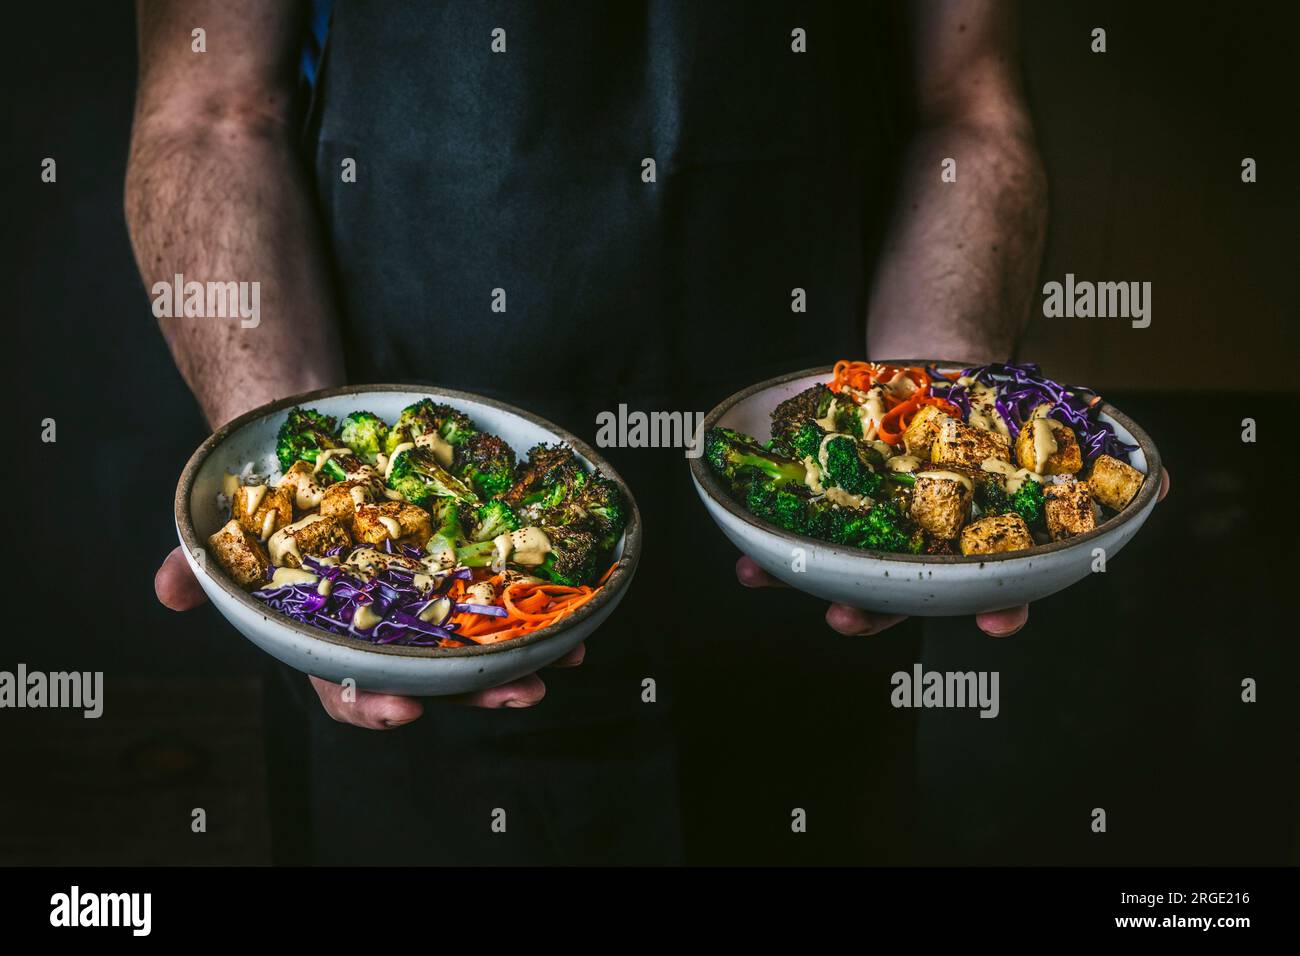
614	585
718	494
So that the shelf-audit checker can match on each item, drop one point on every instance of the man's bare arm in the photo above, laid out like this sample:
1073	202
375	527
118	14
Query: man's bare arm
960	262
215	191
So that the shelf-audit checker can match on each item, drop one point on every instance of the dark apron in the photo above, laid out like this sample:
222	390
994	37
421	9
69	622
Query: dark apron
523	171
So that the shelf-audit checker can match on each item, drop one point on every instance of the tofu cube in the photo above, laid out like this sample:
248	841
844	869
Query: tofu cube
1114	482
919	436
241	554
260	510
959	444
941	502
300	481
1064	459
1069	509
342	500
314	535
996	534
398	520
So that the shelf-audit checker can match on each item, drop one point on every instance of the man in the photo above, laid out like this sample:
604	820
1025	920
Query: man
645	186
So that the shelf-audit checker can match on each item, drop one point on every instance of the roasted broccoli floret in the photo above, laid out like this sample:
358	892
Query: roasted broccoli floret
738	459
992	497
303	433
485	463
536	478
428	417
365	433
576	499
416	475
847	468
847	419
790	415
606	509
806	440
574	558
494	518
787	506
1027	501
884	527
448	534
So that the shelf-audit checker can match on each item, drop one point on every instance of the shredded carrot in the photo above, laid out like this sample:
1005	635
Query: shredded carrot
860	376
530	606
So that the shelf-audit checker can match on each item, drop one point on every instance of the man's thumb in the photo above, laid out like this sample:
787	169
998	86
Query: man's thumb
176	585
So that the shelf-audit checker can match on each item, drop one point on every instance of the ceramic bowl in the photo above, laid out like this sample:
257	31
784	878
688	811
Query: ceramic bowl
927	585
419	671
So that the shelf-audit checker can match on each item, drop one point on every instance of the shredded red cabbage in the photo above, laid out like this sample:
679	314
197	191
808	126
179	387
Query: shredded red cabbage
491	610
1019	389
391	594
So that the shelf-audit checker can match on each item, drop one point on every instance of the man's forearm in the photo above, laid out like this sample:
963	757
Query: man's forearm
224	200
960	263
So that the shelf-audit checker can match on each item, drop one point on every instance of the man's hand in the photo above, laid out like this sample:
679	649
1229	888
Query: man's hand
855	622
178	589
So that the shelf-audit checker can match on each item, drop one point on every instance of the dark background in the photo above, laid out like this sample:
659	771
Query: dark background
1122	693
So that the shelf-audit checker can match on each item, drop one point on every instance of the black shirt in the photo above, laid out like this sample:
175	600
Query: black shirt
523	173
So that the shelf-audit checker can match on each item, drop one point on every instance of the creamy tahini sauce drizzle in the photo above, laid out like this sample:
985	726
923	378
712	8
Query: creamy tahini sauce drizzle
435	610
828	423
481	593
528	546
872	412
813	475
1015	476
951	476
326	455
901	386
368	560
392	526
364	618
983	408
437	561
253	495
1044	442
442	452
838	496
269	521
388	467
823	452
282	543
283	576
306	492
903	463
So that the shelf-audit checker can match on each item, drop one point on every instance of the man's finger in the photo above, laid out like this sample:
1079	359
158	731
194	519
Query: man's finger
369	710
1003	623
524	692
1164	484
752	576
855	622
573	658
176	585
